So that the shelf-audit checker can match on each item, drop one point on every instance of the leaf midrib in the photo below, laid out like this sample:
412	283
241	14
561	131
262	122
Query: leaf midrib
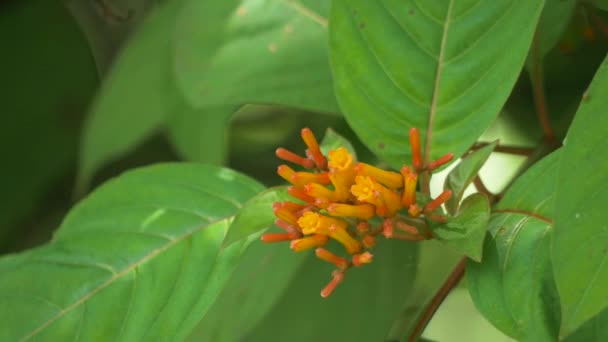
433	111
120	274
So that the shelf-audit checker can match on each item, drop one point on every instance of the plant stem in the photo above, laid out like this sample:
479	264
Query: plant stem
482	188
439	297
538	90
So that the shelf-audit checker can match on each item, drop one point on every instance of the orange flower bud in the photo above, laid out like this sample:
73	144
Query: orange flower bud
330	257
362	227
415	146
409	189
362	211
387	228
294	158
338	276
309	242
313	148
284	214
303	178
300	194
285	172
391	180
341	172
362	259
286	226
441	161
406	228
414	210
437	202
369	241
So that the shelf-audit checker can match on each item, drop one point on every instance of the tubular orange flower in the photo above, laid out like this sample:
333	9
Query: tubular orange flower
285	172
309	242
391	180
338	276
409	189
437	202
330	257
362	211
387	228
415	145
362	259
313	148
286	226
300	194
363	227
367	190
320	192
313	223
294	158
341	172
303	178
284	214
341	235
441	161
278	237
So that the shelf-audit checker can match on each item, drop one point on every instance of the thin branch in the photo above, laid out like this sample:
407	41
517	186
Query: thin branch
483	189
440	296
523	212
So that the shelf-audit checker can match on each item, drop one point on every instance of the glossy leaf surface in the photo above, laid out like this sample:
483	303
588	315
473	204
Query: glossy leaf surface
141	257
439	66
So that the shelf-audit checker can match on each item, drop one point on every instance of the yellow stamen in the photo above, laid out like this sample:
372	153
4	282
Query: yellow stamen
309	242
391	180
362	211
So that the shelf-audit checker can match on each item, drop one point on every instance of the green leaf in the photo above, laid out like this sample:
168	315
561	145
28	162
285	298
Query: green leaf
201	135
259	281
595	329
513	286
554	19
438	66
360	309
463	174
134	98
285	46
579	251
333	140
256	215
141	257
43	100
466	230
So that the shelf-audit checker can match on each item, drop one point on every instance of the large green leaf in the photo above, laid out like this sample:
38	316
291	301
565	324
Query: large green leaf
43	100
135	97
554	20
466	230
360	309
259	281
139	259
579	250
265	52
513	286
440	66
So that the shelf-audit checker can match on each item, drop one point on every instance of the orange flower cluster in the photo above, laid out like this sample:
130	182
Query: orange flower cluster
338	197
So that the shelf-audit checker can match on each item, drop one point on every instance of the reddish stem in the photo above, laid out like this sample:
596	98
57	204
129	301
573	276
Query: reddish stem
439	297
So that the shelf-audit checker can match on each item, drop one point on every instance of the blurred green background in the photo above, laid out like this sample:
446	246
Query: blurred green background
57	54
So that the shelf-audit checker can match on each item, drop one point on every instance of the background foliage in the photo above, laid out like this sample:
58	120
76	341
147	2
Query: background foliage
139	166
